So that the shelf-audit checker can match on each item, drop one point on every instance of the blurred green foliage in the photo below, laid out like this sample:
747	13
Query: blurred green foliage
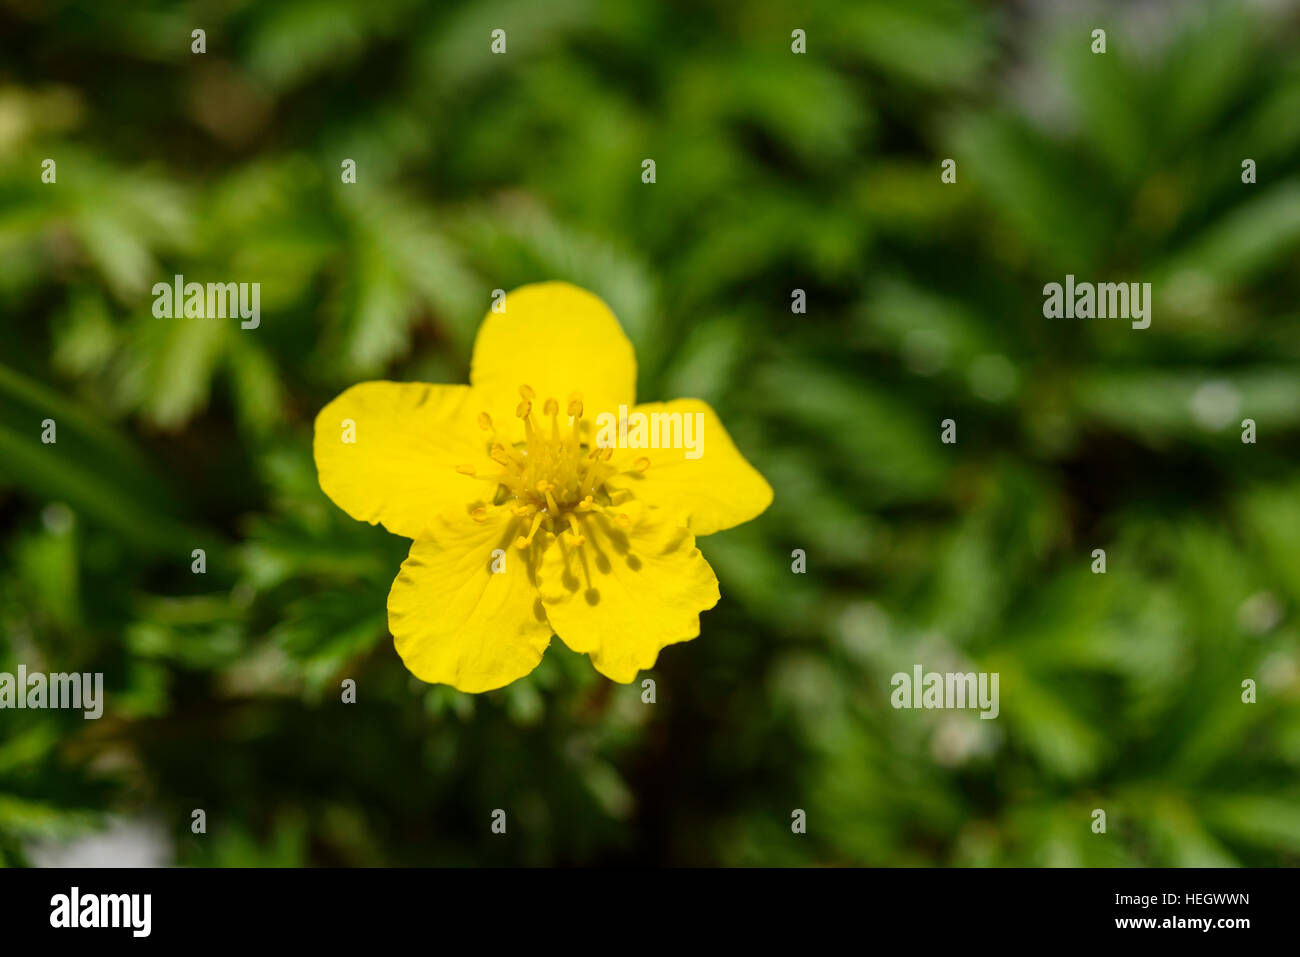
775	171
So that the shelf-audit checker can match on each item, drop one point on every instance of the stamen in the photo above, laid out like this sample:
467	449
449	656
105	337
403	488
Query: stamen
525	411
576	538
466	469
596	473
552	408
641	464
504	478
521	542
575	417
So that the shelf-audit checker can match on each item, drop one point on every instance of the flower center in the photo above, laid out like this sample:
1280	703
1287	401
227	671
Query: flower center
554	477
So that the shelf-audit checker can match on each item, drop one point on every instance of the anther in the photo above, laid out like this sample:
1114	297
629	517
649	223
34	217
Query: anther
551	407
641	464
479	514
523	409
484	421
527	392
465	469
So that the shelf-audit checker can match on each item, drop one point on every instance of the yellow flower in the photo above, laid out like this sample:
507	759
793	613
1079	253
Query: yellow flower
530	513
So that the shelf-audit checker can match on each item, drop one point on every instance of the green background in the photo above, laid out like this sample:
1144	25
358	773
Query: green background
775	171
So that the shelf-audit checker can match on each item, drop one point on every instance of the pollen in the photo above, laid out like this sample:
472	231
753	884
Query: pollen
554	479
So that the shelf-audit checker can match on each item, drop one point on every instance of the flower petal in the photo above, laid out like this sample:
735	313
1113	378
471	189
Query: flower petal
558	339
715	490
400	469
456	621
627	592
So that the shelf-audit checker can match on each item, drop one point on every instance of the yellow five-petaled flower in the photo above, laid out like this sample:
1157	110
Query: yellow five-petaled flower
528	519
